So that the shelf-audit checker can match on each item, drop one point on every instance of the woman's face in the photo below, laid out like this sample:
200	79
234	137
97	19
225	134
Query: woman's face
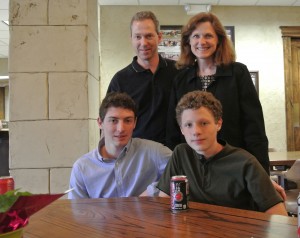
204	41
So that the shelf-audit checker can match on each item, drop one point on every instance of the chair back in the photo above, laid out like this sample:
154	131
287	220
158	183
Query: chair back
294	172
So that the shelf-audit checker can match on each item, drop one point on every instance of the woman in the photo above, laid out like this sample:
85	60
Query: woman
207	61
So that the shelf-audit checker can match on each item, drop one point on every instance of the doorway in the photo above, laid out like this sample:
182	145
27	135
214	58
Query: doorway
291	49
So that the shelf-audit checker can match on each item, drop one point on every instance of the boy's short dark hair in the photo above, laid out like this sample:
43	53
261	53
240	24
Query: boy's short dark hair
196	99
117	99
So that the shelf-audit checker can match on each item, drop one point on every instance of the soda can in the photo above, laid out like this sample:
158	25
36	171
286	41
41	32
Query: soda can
179	193
7	183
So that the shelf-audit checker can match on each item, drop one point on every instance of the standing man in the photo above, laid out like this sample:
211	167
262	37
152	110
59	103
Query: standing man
121	166
218	173
147	79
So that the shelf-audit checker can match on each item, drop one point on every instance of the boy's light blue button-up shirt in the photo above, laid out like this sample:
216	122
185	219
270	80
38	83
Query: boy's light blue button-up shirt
140	164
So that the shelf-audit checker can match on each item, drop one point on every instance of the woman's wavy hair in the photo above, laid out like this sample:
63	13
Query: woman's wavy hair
224	54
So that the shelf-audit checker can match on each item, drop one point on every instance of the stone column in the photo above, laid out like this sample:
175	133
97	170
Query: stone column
54	90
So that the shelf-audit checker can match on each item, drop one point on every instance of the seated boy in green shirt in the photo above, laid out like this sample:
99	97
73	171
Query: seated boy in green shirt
218	173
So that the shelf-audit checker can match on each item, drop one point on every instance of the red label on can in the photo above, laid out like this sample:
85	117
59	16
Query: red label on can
7	183
179	192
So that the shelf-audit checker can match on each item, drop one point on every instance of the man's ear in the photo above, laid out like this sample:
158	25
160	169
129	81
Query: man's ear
160	37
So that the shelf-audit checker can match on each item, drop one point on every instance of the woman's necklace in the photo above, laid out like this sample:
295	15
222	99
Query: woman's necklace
207	77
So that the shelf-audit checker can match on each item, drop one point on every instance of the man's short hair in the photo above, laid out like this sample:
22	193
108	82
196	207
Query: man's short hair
117	99
196	99
145	15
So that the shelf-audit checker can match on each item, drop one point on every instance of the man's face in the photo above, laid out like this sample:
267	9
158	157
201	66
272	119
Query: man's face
117	127
145	39
200	130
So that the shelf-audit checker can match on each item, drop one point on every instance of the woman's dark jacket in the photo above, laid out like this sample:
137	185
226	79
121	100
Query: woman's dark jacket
243	121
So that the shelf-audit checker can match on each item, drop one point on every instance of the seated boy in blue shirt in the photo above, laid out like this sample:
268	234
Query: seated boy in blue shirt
121	166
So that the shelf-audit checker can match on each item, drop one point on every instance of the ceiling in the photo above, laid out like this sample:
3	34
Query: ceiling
211	2
4	31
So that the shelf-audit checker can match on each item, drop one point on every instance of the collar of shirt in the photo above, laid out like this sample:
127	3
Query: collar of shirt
138	68
122	154
221	71
216	156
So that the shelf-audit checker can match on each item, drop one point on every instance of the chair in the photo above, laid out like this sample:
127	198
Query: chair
290	181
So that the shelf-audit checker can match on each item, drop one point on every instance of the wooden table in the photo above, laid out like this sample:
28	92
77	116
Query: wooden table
151	217
286	158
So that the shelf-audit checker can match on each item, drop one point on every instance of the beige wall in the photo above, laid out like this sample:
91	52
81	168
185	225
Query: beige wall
54	90
257	40
259	46
4	83
3	66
